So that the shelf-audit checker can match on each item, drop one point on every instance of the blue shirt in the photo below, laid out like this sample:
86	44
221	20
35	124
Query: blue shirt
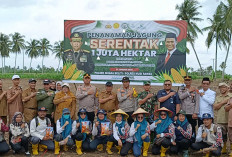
171	102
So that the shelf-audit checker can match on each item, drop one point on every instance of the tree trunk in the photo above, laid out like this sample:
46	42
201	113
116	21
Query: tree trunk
42	64
227	53
215	75
58	66
15	62
23	61
30	66
2	64
196	56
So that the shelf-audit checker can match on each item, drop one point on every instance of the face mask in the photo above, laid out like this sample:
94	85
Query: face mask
66	116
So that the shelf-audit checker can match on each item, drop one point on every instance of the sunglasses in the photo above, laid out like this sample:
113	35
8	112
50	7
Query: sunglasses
163	115
167	84
140	117
83	114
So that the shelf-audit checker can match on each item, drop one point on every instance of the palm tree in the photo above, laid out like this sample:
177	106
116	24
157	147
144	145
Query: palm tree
32	50
5	48
44	48
18	45
226	13
188	11
58	49
216	32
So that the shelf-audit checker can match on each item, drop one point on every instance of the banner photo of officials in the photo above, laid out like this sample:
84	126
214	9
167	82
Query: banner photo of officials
110	50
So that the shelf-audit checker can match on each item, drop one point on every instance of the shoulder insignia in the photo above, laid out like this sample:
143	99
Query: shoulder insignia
68	50
87	51
96	95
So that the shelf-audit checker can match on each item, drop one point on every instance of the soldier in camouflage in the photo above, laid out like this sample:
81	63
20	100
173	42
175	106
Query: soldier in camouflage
76	55
147	100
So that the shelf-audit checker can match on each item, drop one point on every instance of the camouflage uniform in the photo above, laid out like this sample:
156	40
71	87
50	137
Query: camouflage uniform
149	105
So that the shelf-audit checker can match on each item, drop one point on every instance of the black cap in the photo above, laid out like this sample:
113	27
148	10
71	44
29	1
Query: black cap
86	75
42	109
32	80
170	35
109	83
76	35
205	79
46	81
187	77
125	79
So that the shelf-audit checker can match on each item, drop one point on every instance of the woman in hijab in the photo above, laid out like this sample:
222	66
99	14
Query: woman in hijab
140	130
4	147
121	130
20	133
65	99
81	130
164	130
183	132
58	86
102	132
64	131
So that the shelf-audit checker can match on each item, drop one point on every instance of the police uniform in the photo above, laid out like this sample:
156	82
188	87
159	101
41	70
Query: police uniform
127	104
89	102
82	58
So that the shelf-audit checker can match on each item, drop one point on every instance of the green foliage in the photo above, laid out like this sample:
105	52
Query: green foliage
52	76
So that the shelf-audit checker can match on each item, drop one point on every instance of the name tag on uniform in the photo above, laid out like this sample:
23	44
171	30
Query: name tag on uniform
83	58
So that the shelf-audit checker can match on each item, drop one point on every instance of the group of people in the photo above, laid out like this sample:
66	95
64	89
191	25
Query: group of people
48	120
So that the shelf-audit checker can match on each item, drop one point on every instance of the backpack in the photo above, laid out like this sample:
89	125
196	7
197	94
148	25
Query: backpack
37	121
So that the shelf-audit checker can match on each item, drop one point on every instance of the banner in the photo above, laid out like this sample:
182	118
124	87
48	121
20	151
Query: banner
110	50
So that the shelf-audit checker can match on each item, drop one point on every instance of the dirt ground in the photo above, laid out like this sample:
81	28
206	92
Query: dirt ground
24	84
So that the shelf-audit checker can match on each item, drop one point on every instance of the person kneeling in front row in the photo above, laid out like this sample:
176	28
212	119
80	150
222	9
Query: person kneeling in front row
81	130
140	131
64	130
209	136
102	132
38	129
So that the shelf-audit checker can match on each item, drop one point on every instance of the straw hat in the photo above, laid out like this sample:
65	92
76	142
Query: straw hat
119	111
140	111
163	109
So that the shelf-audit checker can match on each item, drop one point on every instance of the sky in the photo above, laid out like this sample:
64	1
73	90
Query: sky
45	19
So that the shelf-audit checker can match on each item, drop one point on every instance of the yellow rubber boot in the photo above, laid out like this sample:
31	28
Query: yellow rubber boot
207	154
35	149
108	147
42	147
65	148
100	147
163	151
230	155
145	148
119	149
57	148
79	145
224	149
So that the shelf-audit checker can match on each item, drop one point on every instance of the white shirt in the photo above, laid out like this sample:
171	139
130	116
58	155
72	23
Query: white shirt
40	130
59	128
171	52
206	102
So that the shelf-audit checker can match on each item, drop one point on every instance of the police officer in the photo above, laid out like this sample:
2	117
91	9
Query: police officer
87	96
127	98
76	55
